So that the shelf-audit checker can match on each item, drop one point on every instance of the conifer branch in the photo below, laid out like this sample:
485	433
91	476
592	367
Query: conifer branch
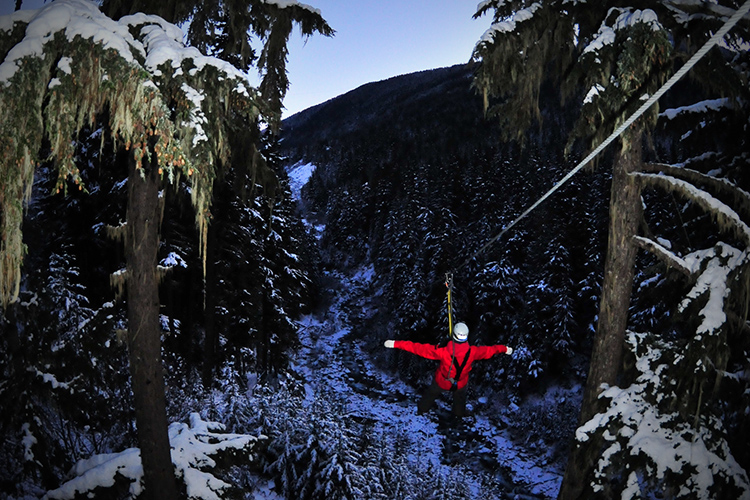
662	253
721	187
727	219
162	272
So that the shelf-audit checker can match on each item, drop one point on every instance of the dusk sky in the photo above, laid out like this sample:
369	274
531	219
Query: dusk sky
374	40
378	39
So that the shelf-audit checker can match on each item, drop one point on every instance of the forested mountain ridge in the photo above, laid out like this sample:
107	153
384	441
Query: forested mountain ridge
403	101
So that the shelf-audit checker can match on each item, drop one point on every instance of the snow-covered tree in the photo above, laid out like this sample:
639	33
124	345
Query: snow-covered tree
197	447
620	52
169	111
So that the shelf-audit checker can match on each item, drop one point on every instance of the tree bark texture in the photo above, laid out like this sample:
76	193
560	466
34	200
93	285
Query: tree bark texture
625	213
144	333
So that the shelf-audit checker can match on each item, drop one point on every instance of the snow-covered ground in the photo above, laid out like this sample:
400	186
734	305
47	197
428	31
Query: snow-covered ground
299	174
334	358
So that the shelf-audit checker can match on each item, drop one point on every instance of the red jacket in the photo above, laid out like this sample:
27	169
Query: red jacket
445	355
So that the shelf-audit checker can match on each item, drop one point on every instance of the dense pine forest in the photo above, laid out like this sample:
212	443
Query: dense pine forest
287	252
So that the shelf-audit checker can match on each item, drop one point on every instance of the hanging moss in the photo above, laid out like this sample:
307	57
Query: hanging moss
636	64
515	63
180	118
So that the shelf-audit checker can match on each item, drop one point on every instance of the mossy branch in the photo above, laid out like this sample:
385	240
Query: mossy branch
118	280
117	233
176	119
663	254
727	219
724	188
162	272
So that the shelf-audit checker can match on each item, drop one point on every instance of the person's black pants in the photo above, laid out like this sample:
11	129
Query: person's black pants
431	394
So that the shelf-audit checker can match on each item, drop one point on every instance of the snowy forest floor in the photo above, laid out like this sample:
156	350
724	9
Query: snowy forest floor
498	451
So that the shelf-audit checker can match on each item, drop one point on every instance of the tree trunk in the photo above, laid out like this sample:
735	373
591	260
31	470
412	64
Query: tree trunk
144	333
211	335
625	212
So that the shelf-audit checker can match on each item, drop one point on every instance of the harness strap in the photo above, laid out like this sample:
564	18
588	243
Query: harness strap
449	285
459	369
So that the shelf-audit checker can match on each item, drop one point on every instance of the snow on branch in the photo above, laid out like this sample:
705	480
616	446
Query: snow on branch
607	34
699	107
668	257
727	218
72	18
283	4
508	25
653	446
194	447
716	266
740	197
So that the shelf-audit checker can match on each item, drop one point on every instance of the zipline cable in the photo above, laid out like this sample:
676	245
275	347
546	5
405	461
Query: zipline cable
619	130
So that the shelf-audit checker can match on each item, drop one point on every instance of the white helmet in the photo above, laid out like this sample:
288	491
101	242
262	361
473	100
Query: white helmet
460	332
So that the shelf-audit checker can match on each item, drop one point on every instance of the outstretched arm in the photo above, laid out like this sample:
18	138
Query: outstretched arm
424	350
487	351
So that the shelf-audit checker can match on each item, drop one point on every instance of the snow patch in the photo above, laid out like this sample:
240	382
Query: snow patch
49	378
718	263
28	441
101	471
283	4
64	65
299	175
699	107
509	24
197	117
173	260
193	446
606	34
592	93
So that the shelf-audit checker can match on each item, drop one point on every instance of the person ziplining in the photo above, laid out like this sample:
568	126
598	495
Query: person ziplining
452	374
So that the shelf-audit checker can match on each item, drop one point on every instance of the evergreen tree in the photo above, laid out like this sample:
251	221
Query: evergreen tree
621	54
160	116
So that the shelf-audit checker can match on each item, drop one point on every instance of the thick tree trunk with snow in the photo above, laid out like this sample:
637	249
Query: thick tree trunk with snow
144	333
625	213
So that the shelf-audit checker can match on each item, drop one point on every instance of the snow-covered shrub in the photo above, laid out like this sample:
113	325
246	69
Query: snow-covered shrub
650	445
63	375
195	448
547	421
525	368
317	449
312	450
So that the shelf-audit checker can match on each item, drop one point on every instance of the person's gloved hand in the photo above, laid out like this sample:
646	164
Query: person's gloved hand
390	344
509	350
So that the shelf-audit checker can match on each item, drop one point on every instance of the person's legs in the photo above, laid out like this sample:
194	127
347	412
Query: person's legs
459	401
429	397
